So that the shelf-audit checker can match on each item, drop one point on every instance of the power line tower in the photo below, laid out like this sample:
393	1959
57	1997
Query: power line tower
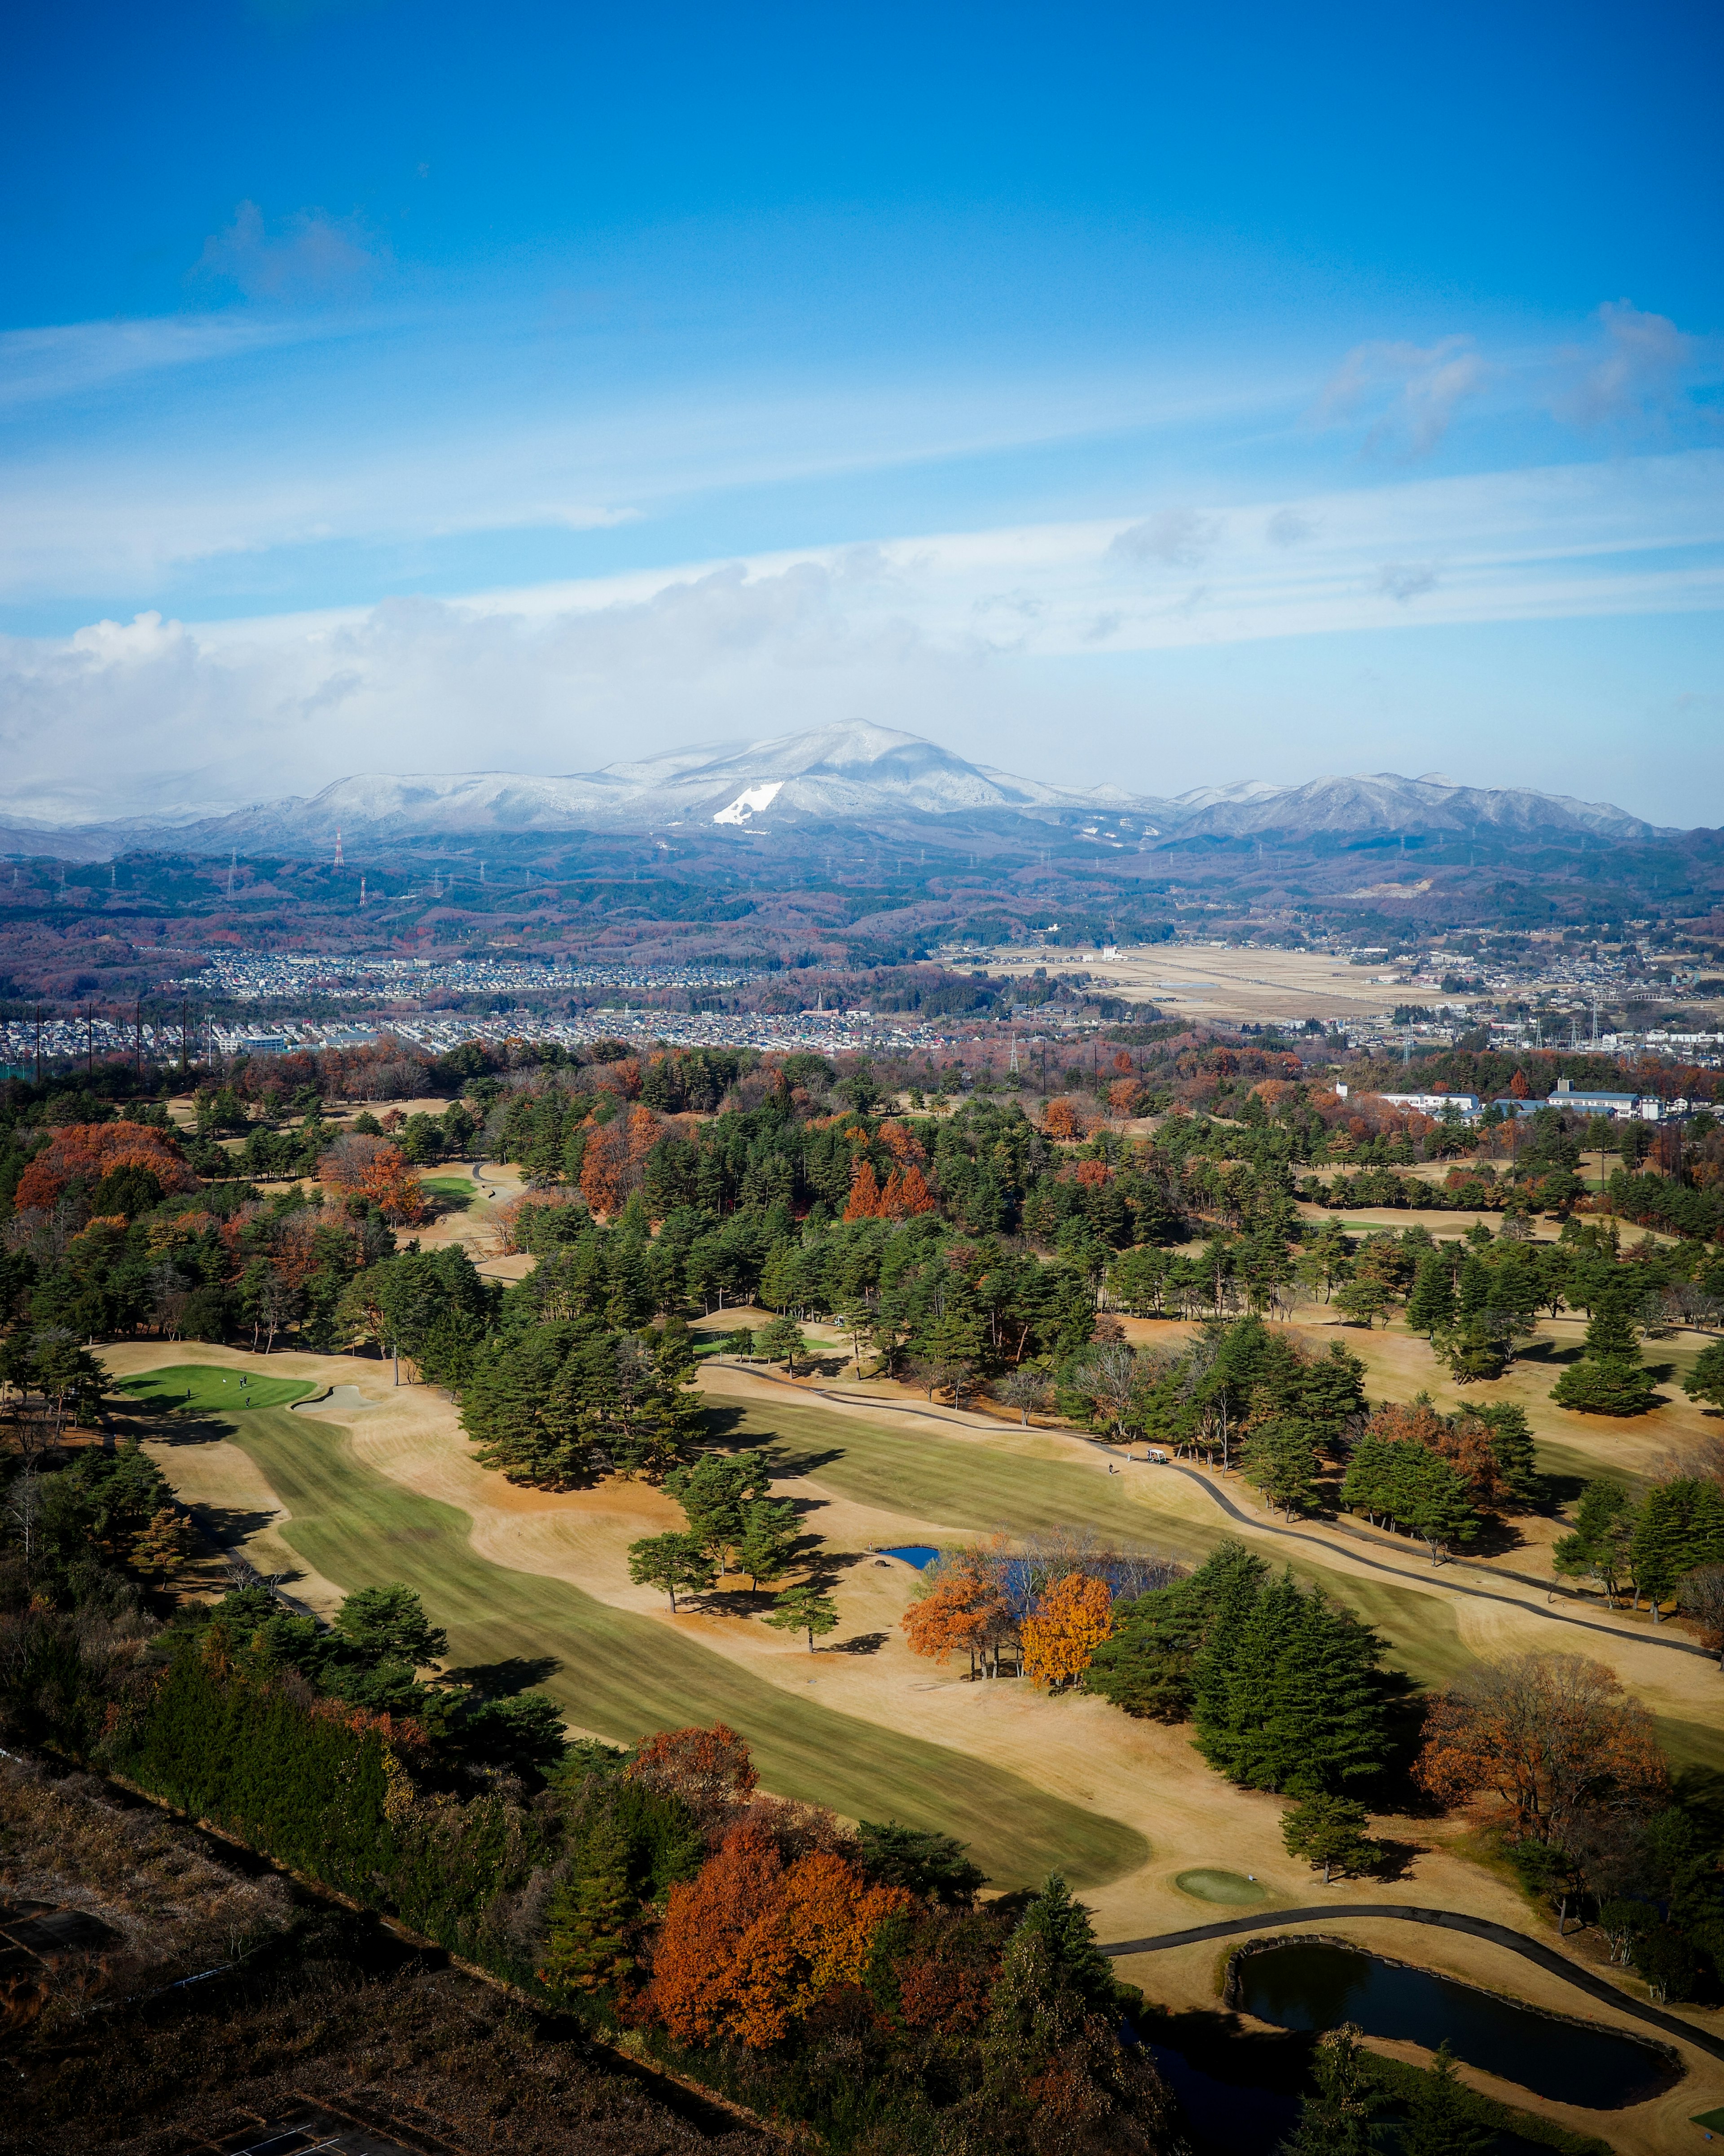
339	862
233	863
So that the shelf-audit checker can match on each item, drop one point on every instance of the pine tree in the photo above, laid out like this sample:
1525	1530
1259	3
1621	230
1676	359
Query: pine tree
1598	1547
769	1532
781	1340
672	1561
1609	1380
1280	1459
804	1608
1336	2120
1705	1380
1329	1832
588	1946
1511	1446
1440	2117
1679	1525
1430	1307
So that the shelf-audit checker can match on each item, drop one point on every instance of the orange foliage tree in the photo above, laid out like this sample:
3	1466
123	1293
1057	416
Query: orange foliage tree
1122	1095
1072	1619
906	1192
1061	1121
90	1151
1548	1736
614	1160
966	1609
864	1193
752	1943
359	1166
1463	1441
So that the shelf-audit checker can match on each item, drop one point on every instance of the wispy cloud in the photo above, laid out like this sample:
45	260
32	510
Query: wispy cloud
311	256
1409	393
940	633
1639	368
73	357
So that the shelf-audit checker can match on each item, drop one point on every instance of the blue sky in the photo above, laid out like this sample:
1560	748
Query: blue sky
1152	395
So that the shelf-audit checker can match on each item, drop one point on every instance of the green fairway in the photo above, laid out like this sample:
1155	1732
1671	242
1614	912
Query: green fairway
626	1674
988	1489
201	1389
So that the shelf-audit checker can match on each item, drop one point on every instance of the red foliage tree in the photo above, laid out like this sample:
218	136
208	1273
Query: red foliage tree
90	1150
708	1769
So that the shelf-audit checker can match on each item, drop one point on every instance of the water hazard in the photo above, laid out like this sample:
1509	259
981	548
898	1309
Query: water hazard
1306	1985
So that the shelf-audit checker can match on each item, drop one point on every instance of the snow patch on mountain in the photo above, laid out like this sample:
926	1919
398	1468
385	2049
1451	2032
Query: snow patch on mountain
750	801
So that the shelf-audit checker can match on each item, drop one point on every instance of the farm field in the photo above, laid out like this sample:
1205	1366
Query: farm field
1125	1807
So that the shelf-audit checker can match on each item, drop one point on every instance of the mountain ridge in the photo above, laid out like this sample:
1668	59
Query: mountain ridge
854	771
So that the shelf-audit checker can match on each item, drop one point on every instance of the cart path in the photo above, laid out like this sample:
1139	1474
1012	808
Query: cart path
1450	1920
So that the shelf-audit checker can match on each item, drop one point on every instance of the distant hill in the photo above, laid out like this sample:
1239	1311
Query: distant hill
853	773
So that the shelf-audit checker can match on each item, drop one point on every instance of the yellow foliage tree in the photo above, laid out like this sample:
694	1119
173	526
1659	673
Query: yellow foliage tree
1075	1616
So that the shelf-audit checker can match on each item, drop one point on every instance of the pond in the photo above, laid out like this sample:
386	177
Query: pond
919	1554
1309	1985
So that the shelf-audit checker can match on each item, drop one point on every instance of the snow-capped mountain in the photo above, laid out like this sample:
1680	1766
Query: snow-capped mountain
854	772
1386	801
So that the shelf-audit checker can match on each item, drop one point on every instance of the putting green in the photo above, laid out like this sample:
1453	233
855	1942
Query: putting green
626	1674
1233	1890
203	1388
455	1194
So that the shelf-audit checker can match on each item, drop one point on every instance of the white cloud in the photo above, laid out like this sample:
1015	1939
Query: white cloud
1287	528
1637	370
947	634
311	256
1409	392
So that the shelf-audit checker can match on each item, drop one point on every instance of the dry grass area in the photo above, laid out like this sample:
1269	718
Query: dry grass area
1200	981
68	1845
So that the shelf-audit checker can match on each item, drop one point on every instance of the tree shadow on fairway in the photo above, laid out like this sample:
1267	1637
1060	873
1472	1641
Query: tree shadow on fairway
860	1643
790	1462
504	1679
225	1527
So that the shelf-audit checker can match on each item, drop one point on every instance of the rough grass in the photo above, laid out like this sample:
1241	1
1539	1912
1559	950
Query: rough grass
625	1675
211	1391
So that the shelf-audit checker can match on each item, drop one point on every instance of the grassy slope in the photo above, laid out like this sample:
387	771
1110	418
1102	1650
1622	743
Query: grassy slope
625	1675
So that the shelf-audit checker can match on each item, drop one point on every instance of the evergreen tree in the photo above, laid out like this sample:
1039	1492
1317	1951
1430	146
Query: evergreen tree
1280	1459
1598	1547
1609	1379
713	1493
671	1562
782	1341
804	1608
1705	1380
1680	1525
1287	1694
1329	1832
1439	2115
768	1539
1512	1447
587	1946
1337	2119
1430	1307
1476	1348
1056	1933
